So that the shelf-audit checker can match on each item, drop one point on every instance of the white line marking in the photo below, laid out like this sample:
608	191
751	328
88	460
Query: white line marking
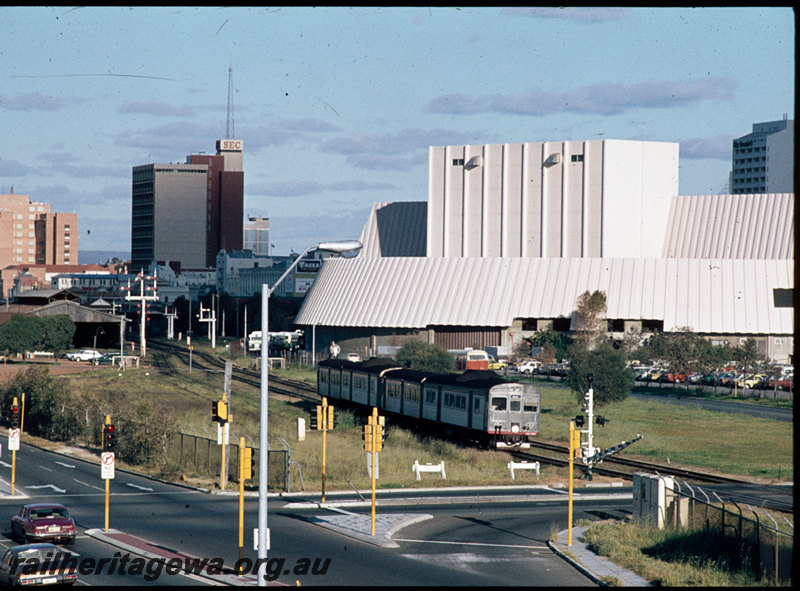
87	484
470	544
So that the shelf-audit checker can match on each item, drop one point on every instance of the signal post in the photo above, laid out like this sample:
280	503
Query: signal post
107	459
14	435
323	419
373	436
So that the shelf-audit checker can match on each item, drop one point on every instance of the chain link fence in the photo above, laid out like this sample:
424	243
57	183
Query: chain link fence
744	538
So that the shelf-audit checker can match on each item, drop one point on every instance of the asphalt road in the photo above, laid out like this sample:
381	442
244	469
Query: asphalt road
470	541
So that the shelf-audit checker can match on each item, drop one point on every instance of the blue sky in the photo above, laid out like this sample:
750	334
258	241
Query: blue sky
337	106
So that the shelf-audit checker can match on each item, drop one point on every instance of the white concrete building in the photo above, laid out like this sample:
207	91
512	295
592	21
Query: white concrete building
594	198
763	160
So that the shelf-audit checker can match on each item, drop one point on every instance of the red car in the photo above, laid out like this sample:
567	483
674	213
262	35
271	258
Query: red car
43	522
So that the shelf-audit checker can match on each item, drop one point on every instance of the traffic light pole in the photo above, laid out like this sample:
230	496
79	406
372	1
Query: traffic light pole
324	427
241	504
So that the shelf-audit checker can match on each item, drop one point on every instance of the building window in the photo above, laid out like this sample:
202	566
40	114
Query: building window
577	158
458	162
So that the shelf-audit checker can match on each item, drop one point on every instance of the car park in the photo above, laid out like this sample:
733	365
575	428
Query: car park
37	564
84	355
43	522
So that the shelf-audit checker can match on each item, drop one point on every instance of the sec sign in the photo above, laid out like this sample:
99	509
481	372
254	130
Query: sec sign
230	145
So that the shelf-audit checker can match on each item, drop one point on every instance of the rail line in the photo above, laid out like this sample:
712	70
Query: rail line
541	451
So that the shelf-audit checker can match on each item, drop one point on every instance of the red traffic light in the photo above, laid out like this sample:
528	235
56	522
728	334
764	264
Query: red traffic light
15	409
109	428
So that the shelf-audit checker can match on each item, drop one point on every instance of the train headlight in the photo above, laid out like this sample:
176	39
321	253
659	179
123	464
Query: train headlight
515	428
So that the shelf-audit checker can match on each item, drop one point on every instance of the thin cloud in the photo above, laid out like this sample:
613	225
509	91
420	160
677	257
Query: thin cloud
299	188
37	101
155	108
602	99
718	148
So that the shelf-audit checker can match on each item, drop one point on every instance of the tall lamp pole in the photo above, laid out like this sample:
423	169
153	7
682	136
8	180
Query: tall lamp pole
339	247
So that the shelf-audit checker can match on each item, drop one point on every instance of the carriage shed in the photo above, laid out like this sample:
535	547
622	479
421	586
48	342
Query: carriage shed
92	327
372	306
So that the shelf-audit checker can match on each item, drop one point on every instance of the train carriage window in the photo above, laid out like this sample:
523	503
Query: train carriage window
462	402
529	406
430	396
323	377
476	404
515	404
498	403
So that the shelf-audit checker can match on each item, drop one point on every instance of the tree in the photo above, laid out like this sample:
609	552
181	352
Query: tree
553	342
590	326
57	332
23	333
612	378
424	357
680	349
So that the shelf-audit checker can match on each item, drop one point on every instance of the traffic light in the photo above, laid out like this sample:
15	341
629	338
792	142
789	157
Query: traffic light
219	411
576	444
579	421
331	418
15	415
315	422
367	437
246	464
601	420
380	436
109	437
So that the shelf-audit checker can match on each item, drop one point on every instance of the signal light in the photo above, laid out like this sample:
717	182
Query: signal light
109	438
314	422
601	420
14	416
331	418
219	411
246	464
367	437
380	437
579	421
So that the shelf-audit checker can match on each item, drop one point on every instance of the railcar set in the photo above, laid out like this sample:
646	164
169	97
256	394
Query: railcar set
476	405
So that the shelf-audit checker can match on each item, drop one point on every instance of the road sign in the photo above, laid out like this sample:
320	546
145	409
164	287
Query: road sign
13	439
107	465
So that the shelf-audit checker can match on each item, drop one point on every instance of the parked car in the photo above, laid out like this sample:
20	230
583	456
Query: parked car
497	363
106	359
529	367
43	522
84	355
353	357
37	564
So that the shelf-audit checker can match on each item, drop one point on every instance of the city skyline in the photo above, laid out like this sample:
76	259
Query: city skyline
337	106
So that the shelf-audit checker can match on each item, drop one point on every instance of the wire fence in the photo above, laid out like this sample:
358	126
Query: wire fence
201	455
743	538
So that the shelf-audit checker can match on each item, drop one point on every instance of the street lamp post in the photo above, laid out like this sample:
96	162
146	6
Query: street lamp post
339	247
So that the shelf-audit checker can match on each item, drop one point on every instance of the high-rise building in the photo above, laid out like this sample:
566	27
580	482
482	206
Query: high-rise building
31	234
256	235
185	214
763	160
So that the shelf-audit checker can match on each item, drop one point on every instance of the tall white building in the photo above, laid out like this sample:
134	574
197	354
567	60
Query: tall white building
763	160
593	198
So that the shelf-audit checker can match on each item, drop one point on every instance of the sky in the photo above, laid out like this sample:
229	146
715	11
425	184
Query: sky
337	106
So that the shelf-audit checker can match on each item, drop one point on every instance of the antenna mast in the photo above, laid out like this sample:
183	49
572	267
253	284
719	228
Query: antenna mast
230	133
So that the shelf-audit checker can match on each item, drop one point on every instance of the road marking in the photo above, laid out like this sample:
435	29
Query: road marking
46	468
139	487
65	465
86	484
4	464
53	486
470	544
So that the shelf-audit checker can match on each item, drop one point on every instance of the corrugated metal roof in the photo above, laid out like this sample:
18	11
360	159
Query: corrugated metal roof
396	230
729	296
755	226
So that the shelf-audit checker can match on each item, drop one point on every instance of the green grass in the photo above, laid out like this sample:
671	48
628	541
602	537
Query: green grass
666	558
716	441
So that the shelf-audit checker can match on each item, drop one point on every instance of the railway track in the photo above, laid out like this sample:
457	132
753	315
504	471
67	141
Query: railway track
779	498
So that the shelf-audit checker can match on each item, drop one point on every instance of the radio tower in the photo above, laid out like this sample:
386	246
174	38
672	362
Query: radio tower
230	132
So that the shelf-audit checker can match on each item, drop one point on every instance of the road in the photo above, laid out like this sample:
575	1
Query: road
470	540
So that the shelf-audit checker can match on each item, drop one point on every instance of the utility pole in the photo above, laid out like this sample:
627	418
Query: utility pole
142	299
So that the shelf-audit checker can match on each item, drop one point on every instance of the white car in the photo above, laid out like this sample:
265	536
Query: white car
528	367
84	355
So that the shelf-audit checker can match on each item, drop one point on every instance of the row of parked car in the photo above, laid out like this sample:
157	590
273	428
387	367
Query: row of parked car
724	378
93	356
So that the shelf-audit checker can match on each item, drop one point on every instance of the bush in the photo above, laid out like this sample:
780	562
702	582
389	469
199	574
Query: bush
424	357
